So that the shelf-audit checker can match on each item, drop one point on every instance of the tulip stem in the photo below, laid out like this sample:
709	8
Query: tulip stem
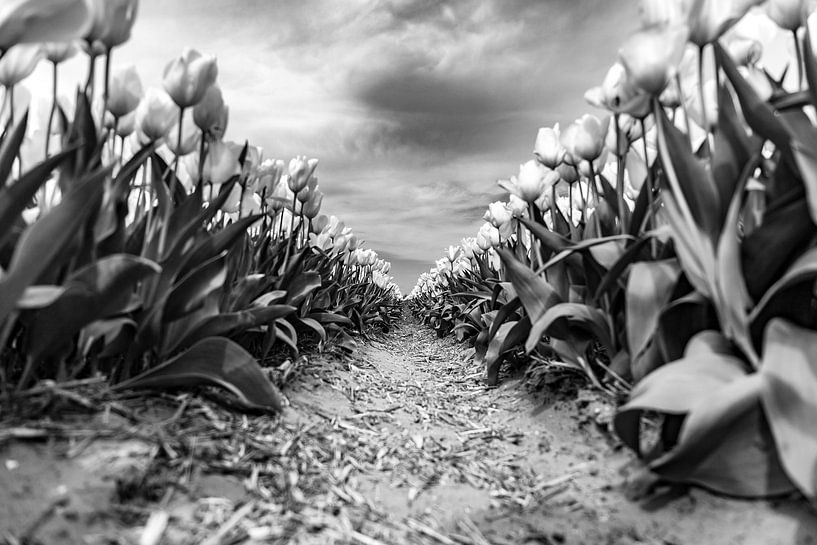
178	155
595	191
685	110
622	206
650	204
105	88
291	230
54	74
89	84
799	52
202	155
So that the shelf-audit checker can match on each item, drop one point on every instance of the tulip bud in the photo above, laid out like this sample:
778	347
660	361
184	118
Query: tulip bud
709	19
487	237
211	114
518	207
787	14
36	21
57	52
531	181
498	214
618	94
126	125
187	77
112	22
124	91
745	51
300	170
584	139
155	114
18	63
311	187
567	173
221	163
313	205
652	55
661	12
319	223
548	149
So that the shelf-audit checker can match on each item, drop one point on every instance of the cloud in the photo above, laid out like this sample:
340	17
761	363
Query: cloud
414	107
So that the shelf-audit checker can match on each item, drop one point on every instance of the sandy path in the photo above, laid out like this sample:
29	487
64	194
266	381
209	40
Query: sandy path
401	444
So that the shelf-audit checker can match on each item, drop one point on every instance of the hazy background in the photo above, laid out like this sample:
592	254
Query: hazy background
414	107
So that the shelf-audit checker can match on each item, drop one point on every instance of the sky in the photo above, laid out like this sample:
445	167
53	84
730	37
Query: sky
415	108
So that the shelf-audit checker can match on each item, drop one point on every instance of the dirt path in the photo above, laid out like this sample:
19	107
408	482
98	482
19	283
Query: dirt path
402	445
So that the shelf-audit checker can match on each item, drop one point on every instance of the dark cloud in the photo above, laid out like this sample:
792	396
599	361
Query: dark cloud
415	107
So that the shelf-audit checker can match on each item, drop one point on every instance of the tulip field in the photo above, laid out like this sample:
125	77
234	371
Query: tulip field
666	253
662	255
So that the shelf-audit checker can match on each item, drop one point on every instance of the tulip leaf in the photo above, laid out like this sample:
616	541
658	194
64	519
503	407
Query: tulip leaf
694	249
218	242
758	113
35	297
562	320
649	289
213	361
92	293
695	182
505	312
810	65
227	324
16	197
535	293
41	242
189	293
508	336
790	399
723	442
680	321
115	335
733	299
302	286
10	148
786	231
806	160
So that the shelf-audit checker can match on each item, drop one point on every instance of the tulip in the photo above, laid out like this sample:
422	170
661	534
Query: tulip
187	77
745	51
300	171
313	205
311	186
498	214
548	150
155	114
517	206
112	22
320	223
787	14
321	241
124	91
661	12
584	138
618	94
709	19
126	125
36	21
221	164
18	63
567	173
651	56
211	114
58	52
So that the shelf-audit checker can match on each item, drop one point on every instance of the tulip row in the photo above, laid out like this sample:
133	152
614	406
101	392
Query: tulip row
667	253
142	246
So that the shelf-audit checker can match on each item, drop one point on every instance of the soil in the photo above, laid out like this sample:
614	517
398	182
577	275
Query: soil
402	443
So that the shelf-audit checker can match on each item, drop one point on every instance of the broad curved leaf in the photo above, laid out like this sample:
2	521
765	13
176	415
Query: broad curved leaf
214	361
789	397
